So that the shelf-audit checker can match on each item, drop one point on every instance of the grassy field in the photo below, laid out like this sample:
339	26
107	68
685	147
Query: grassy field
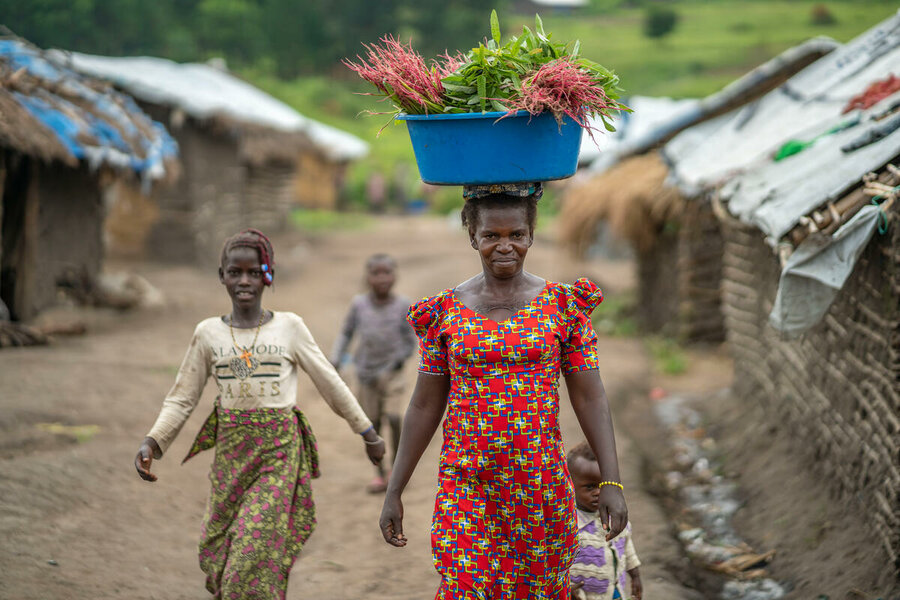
713	43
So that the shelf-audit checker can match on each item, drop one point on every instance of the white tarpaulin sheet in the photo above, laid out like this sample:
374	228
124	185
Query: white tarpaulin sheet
712	152
203	92
817	270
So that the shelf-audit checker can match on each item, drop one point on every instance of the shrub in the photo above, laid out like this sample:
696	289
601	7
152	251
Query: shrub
659	21
820	15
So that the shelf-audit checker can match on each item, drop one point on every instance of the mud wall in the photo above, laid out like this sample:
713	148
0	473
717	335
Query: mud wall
680	277
204	206
53	232
658	285
836	390
217	194
700	247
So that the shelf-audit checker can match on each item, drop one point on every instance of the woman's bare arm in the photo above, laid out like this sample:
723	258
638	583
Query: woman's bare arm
426	409
592	409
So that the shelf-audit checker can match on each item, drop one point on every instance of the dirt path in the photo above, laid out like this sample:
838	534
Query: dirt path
77	523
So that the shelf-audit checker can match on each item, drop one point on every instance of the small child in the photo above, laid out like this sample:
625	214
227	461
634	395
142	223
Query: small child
598	572
384	342
260	510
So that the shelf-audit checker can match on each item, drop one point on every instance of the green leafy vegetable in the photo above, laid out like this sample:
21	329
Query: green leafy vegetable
528	72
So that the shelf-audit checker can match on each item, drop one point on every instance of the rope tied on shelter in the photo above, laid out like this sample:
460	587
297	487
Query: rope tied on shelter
883	195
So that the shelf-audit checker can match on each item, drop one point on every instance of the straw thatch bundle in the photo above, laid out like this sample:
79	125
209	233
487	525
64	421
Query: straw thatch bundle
631	197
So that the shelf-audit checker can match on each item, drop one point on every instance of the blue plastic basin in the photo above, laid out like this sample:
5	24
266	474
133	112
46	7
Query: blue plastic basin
481	148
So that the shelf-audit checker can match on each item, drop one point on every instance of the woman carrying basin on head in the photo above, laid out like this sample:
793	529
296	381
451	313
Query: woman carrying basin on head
493	348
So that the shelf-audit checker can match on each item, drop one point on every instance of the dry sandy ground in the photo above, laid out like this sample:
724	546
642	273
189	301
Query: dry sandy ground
77	523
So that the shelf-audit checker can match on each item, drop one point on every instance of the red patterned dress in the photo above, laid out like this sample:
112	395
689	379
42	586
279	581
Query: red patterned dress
504	515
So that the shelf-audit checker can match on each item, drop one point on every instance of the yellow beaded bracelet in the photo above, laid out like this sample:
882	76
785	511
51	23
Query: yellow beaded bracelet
615	483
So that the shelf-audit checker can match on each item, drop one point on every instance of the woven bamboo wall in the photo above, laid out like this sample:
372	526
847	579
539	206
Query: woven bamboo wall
835	390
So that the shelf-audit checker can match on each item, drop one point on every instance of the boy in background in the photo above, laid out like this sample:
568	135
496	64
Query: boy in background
598	572
384	340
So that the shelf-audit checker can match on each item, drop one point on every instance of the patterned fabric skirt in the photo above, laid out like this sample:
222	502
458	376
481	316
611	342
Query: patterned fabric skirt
260	510
489	546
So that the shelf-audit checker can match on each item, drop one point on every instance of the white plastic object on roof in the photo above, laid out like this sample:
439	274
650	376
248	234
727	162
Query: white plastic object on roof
203	91
648	114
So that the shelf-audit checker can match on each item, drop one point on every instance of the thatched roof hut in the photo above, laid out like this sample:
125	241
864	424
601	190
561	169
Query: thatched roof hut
677	243
241	150
64	138
811	267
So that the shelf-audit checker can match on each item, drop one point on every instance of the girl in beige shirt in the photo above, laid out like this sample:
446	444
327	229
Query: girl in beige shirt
260	510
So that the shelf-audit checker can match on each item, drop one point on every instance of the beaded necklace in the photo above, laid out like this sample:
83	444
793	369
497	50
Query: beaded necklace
242	366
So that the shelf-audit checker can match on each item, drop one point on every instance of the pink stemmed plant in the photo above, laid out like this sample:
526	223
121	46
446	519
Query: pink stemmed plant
562	87
398	72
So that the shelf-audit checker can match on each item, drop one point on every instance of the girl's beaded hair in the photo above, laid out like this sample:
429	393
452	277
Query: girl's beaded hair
256	239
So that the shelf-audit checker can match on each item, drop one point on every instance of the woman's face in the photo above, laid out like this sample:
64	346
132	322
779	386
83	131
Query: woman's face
502	237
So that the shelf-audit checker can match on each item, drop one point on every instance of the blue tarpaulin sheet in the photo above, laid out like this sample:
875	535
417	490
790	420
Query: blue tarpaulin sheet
101	126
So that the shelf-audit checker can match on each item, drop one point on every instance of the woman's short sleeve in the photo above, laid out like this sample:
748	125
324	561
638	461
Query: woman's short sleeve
579	348
425	316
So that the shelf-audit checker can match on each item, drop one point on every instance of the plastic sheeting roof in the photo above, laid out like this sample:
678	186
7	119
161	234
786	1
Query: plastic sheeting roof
85	118
774	195
203	92
656	119
804	107
835	152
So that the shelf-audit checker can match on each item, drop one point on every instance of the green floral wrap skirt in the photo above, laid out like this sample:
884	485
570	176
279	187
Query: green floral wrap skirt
260	510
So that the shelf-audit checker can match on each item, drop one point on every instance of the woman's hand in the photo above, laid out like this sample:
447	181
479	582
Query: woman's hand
374	446
426	408
391	521
146	453
613	510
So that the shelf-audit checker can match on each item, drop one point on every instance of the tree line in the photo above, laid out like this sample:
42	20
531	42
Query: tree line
285	37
